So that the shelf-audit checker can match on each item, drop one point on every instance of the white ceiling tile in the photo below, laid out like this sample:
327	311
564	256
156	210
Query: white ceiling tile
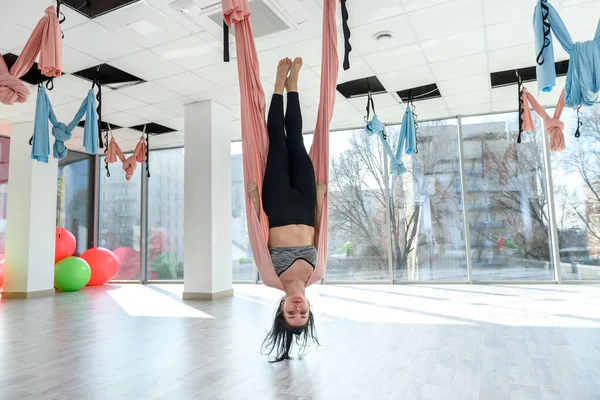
348	120
222	74
395	59
152	113
363	37
424	107
74	61
465	85
507	10
95	40
175	105
165	8
186	84
58	98
147	65
22	118
413	5
504	106
504	93
362	12
8	112
125	120
310	51
149	92
480	108
28	106
342	107
512	57
226	96
190	52
73	86
164	29
13	36
358	69
454	46
441	20
581	17
269	59
406	79
310	97
473	98
173	123
120	101
510	33
460	67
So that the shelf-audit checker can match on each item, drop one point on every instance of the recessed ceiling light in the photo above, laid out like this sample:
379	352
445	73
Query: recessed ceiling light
385	35
144	27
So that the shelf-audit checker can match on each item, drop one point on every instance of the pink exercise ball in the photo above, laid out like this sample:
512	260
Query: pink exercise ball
129	263
2	273
65	244
103	264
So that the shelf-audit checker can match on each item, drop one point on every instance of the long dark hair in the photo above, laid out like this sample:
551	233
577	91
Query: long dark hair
282	336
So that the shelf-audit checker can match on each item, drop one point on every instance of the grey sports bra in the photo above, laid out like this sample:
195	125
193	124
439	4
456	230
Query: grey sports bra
284	257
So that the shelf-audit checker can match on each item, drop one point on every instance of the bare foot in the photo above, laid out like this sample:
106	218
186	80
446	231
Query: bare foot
255	196
291	84
283	68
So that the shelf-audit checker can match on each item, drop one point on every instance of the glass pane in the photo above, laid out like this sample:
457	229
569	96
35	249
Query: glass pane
576	179
243	264
119	218
4	156
358	228
76	214
165	214
428	240
506	200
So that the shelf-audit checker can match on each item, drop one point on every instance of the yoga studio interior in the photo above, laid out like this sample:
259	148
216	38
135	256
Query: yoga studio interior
299	199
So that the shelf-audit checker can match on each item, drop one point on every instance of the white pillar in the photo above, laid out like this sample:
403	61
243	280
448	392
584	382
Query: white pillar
31	220
207	205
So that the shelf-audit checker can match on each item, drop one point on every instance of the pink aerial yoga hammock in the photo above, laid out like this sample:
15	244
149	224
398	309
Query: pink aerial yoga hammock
45	40
254	131
554	126
114	152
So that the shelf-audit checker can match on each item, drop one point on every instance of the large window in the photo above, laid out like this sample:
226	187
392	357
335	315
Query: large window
506	200
576	176
426	207
243	264
119	219
165	215
4	157
358	229
76	213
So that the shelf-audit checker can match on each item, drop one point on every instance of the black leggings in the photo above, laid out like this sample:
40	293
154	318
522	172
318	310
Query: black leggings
289	192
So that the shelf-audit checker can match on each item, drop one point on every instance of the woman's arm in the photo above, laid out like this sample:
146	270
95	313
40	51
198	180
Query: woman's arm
321	190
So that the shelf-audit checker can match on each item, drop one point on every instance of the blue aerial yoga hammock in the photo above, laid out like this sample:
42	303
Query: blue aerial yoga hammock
583	77
40	149
407	140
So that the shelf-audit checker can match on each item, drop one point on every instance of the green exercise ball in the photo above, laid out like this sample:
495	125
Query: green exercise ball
71	274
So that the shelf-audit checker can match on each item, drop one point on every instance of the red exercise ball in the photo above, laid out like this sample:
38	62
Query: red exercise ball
129	263
65	244
103	264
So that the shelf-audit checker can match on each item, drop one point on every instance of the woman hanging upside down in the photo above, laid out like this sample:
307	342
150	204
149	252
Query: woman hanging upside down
292	200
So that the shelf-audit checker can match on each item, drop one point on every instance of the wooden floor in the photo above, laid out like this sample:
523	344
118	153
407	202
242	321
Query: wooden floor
135	342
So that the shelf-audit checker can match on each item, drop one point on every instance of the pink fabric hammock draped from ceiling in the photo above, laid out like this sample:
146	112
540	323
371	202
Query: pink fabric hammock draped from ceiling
254	130
554	126
45	40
